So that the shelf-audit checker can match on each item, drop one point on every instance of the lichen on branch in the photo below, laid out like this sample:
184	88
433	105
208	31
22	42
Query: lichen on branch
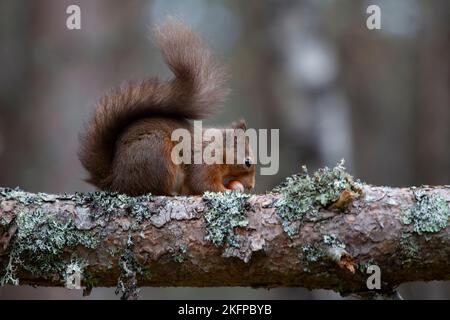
226	211
318	230
303	195
39	245
429	214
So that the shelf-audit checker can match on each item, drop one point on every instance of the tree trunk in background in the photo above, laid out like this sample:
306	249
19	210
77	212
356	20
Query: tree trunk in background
432	115
17	88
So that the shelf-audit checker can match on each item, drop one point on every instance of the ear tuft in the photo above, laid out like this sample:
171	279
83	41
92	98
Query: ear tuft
241	124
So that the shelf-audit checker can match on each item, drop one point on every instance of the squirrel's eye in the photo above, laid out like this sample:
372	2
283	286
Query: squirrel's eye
248	162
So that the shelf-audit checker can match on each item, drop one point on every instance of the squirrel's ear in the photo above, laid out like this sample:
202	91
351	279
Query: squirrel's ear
241	124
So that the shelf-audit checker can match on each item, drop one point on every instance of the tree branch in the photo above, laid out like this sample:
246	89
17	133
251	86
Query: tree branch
301	235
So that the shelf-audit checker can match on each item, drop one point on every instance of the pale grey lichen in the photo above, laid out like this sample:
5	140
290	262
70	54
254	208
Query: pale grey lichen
320	252
311	253
43	239
409	247
39	243
112	203
131	271
73	270
25	198
303	195
332	241
226	211
430	213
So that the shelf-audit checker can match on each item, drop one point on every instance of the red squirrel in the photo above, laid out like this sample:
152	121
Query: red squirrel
126	147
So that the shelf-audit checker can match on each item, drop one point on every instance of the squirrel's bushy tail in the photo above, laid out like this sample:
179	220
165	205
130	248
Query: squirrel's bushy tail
195	92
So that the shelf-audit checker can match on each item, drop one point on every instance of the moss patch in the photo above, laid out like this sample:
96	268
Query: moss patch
430	213
303	195
226	211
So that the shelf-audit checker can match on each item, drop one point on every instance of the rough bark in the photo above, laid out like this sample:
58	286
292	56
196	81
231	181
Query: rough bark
160	241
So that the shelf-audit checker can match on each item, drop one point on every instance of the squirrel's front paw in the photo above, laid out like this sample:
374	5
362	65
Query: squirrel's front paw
235	185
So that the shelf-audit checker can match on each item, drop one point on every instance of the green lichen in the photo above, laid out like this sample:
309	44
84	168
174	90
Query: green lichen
101	202
409	247
430	213
226	211
332	241
317	252
303	195
4	221
39	245
106	203
131	271
363	266
77	265
180	256
43	239
10	277
25	198
139	207
311	253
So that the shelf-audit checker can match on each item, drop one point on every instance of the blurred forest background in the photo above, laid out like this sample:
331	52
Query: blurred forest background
379	99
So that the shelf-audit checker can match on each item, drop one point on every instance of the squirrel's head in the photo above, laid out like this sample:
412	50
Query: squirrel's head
243	167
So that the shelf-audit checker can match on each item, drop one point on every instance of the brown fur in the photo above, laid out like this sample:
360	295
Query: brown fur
126	146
